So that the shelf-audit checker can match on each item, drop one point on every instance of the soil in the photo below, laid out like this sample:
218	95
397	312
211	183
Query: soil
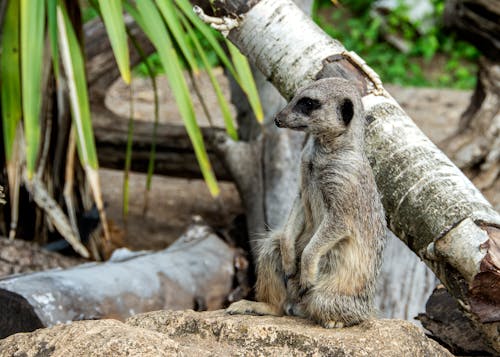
173	201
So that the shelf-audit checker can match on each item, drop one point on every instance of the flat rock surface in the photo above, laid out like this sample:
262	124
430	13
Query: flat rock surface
189	333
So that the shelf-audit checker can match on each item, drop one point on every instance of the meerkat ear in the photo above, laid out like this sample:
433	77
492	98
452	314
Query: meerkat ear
346	111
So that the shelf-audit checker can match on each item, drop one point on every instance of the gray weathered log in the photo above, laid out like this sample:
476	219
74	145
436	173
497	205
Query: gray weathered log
429	203
196	272
174	152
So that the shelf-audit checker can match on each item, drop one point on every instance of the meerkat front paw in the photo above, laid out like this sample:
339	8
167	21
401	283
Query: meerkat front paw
308	272
306	284
295	309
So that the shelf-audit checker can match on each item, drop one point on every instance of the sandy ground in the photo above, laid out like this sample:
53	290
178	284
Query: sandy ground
173	201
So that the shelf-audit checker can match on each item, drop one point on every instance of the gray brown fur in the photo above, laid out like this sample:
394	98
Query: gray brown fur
324	264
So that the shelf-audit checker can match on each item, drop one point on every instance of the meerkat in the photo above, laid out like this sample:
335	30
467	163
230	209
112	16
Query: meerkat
323	264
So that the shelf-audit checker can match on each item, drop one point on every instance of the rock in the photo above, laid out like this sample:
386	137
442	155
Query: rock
89	338
199	334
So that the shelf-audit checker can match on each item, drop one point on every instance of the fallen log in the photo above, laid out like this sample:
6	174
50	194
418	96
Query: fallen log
196	272
18	256
174	152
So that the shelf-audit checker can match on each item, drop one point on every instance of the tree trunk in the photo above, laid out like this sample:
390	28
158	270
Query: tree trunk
429	203
174	152
476	145
196	272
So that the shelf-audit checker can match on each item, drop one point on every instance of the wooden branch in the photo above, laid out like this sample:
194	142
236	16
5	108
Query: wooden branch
196	272
18	256
476	21
451	327
174	152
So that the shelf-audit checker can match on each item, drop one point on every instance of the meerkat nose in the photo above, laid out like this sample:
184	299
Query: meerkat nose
277	121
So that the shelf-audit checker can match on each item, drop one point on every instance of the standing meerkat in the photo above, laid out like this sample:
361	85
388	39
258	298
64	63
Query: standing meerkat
323	264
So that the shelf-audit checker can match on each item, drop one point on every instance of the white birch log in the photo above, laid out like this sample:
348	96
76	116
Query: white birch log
429	203
196	272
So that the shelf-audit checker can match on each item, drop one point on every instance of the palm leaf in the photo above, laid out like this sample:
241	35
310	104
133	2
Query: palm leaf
223	104
208	34
10	78
128	156
111	12
74	66
32	14
247	82
52	27
168	11
157	32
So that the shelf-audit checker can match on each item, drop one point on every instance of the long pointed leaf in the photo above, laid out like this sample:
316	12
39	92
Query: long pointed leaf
247	82
168	11
111	12
72	60
207	32
128	156
73	63
223	104
10	77
52	27
155	29
32	46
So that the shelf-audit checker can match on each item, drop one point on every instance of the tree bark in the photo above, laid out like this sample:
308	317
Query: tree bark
18	256
475	147
174	152
196	272
450	327
429	203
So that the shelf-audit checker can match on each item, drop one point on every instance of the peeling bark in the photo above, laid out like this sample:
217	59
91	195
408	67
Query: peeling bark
451	327
426	197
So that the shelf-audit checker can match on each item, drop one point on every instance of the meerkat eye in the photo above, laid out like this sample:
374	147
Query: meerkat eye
306	105
346	111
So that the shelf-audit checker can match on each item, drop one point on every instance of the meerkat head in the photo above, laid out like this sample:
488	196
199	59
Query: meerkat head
329	106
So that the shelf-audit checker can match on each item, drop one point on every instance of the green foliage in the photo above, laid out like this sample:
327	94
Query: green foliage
155	63
434	58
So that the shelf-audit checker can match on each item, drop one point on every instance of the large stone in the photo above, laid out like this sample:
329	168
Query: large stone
89	338
189	333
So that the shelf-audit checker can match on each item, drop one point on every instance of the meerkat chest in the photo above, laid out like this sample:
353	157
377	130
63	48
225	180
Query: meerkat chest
311	192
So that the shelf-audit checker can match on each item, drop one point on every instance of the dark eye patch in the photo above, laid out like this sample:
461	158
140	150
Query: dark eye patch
346	111
306	105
